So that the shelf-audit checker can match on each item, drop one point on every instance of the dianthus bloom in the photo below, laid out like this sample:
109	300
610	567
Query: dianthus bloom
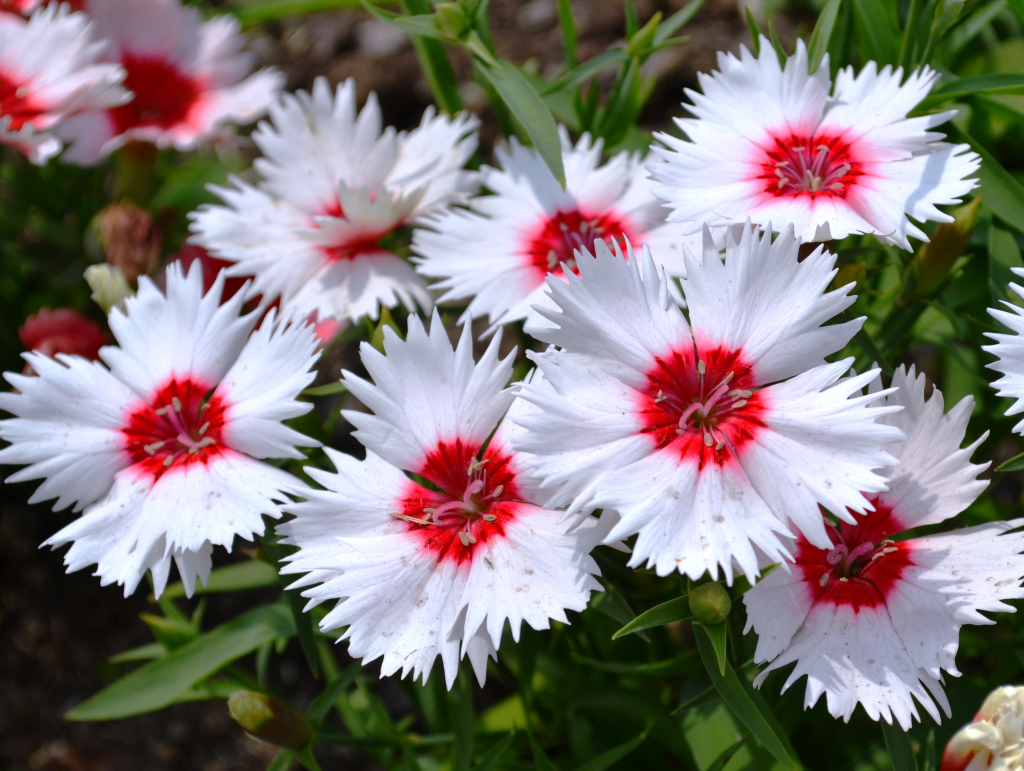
188	77
161	448
773	144
995	740
874	620
707	438
63	330
1009	352
498	254
426	571
333	186
48	73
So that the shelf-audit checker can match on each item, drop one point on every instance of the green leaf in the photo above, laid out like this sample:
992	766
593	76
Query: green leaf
668	666
1002	193
424	25
144	653
585	71
610	757
303	621
254	574
282	761
677	20
460	714
322	704
326	390
666	613
717	634
540	760
1017	6
157	684
632	22
1007	83
873	352
262	11
1003	256
614	605
307	759
780	51
495	753
530	110
755	31
434	64
568	24
931	762
748	707
727	754
900	750
822	34
878	31
1013	464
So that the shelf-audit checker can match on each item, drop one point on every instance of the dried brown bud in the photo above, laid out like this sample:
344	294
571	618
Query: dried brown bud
269	720
130	240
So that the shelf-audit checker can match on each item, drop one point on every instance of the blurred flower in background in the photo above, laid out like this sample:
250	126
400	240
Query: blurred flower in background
995	740
62	330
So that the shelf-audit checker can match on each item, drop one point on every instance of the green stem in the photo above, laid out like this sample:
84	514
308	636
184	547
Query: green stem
910	34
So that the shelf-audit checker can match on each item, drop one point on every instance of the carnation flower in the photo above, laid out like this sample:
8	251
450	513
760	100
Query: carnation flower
49	72
995	740
188	77
1009	352
161	449
874	620
333	186
784	145
499	254
707	438
435	568
63	330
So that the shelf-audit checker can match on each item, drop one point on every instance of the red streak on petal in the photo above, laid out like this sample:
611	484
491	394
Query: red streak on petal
18	103
553	241
164	95
675	378
787	171
145	428
448	468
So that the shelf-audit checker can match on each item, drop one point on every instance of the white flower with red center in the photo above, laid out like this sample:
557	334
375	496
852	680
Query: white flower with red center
435	567
334	184
49	71
498	254
1009	352
161	449
873	620
783	145
707	437
188	77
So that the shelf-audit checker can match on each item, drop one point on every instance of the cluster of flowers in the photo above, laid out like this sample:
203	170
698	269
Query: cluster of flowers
720	438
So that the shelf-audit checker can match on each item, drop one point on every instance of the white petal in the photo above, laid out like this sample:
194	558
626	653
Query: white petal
776	609
1009	351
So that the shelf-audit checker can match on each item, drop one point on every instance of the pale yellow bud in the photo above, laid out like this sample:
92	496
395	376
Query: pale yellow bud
109	286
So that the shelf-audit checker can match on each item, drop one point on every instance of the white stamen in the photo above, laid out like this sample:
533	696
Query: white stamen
701	368
488	517
741	403
407	518
152	448
824	579
497	491
708	441
661	397
203	428
168	461
721	443
176	403
161	412
844	580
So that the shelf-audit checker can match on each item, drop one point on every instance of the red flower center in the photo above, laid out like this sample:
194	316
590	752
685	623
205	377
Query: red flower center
705	408
164	95
814	166
558	237
17	103
864	565
181	427
477	499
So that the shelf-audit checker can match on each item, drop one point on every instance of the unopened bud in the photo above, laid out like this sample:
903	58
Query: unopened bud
129	239
644	37
452	19
934	259
267	719
710	603
109	286
386	320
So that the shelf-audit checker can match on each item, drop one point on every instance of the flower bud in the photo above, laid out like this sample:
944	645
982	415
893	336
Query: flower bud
129	239
63	330
994	739
109	286
452	19
934	259
267	719
710	603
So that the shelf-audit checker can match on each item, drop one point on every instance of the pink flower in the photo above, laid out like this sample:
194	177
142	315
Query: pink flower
188	77
874	620
63	330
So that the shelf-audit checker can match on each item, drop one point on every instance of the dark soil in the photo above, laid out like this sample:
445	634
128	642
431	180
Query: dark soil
58	630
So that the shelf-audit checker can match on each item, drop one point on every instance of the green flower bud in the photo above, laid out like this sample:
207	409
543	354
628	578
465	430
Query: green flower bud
934	259
267	719
710	603
452	19
109	286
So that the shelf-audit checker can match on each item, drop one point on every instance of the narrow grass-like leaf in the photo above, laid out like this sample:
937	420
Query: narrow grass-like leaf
717	634
263	11
254	574
1003	256
540	759
780	51
530	110
303	621
157	684
614	605
460	714
568	24
901	752
677	20
322	704
822	34
610	757
307	759
668	666
494	754
741	699
728	753
666	613
999	83
879	33
873	352
585	71
1013	464
424	25
146	652
326	390
1003	194
755	31
282	761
